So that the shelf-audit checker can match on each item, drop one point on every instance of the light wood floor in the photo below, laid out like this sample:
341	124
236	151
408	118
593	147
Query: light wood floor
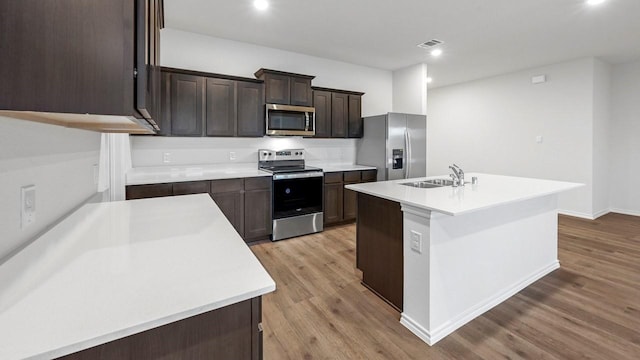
587	309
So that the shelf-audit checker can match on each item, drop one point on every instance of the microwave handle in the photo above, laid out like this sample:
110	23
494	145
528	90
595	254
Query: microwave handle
306	118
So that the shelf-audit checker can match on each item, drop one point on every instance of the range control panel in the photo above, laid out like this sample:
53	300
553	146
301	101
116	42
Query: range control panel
277	155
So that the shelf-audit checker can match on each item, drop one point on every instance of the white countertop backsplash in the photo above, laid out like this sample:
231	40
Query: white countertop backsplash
490	191
115	269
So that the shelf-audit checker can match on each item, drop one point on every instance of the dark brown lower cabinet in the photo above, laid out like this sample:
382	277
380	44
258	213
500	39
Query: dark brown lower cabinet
379	247
229	196
257	205
231	332
246	203
340	205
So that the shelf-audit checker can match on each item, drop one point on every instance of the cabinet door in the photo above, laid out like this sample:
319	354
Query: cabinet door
232	206
350	206
301	93
257	216
339	114
277	89
148	20
251	120
165	113
148	191
355	117
322	103
333	199
221	107
187	97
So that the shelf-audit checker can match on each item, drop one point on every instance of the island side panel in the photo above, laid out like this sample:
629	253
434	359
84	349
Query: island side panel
379	247
475	262
231	332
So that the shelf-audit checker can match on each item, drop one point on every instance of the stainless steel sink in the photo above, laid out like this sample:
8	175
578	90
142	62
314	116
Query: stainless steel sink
427	184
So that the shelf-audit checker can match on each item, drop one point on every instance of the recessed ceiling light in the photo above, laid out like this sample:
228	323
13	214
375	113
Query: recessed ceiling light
261	4
429	80
595	2
436	52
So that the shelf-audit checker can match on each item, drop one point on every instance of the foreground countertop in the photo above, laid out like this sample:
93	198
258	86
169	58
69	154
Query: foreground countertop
115	269
491	191
181	173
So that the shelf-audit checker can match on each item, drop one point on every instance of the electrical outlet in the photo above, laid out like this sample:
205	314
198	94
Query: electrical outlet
539	139
232	155
416	241
27	206
166	157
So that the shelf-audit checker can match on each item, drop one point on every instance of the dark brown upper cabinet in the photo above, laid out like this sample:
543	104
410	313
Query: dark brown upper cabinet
322	103
205	104
355	125
339	114
83	64
286	88
221	107
187	100
251	121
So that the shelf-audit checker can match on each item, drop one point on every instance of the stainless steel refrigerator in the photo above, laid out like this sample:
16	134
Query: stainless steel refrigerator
396	144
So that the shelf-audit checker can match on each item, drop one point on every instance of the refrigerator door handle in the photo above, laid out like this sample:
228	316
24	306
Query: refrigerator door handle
407	144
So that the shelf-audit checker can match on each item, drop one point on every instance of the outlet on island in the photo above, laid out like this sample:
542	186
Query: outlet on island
416	241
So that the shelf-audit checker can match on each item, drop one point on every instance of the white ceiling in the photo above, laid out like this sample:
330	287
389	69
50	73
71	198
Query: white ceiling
482	37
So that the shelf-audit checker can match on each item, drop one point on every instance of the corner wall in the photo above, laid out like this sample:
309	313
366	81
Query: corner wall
491	125
410	90
625	138
601	129
58	160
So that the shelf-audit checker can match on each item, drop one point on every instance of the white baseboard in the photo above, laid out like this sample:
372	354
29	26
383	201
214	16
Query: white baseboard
576	214
601	213
432	337
625	212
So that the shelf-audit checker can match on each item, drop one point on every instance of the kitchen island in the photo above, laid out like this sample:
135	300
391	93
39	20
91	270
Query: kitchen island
135	279
443	256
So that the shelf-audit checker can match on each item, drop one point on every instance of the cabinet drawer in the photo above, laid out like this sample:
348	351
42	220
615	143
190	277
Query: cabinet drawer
258	183
227	185
352	176
369	175
191	187
333	177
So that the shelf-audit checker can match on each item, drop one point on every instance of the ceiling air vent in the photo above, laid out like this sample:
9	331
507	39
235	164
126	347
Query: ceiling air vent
431	43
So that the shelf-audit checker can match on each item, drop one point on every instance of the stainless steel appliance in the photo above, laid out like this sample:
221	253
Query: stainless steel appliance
290	120
396	144
297	198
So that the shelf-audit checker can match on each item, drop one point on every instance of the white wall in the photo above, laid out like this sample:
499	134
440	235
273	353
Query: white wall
58	160
601	127
410	89
187	50
490	125
148	151
625	138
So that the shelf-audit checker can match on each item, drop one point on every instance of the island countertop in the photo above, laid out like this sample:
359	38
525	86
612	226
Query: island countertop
490	191
115	269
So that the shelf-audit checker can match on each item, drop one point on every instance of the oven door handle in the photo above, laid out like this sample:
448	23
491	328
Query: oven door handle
298	175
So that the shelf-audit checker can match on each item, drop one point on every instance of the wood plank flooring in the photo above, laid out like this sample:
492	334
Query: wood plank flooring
587	309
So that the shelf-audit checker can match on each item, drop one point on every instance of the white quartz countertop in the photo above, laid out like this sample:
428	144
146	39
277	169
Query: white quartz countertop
490	191
170	174
115	269
335	167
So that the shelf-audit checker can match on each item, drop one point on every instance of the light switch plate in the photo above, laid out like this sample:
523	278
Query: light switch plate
27	206
416	241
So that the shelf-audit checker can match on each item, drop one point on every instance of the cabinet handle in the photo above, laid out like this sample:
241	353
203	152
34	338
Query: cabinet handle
260	327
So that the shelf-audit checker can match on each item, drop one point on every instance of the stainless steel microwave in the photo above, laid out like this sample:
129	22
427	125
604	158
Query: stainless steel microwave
290	120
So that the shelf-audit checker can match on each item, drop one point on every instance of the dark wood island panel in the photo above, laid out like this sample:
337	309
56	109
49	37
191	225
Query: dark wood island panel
231	332
379	247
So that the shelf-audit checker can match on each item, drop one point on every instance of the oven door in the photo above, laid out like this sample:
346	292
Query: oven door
297	194
290	120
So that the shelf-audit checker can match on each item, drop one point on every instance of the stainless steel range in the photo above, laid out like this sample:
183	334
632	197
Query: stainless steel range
297	198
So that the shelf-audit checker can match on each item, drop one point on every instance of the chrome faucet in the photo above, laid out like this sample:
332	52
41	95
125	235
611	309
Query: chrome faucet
457	176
